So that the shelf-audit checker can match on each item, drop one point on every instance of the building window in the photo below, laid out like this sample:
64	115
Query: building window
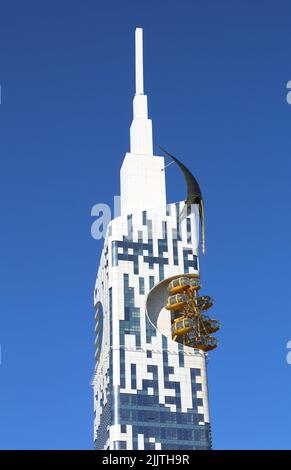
152	282
133	376
114	248
189	235
119	445
141	285
99	329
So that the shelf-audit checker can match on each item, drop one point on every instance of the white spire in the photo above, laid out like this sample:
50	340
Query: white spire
141	136
138	62
142	179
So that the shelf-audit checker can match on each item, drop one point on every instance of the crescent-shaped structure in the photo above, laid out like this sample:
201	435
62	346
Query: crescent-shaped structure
194	194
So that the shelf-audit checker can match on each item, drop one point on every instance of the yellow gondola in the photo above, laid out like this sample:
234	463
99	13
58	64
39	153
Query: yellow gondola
194	283
204	302
181	326
178	285
177	302
210	324
205	343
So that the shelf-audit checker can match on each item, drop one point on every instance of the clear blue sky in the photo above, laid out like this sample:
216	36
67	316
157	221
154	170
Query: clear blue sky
216	75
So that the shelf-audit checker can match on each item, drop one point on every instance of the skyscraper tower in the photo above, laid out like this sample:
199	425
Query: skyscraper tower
150	383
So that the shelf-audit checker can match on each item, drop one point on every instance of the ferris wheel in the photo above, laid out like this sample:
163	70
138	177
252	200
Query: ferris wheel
189	324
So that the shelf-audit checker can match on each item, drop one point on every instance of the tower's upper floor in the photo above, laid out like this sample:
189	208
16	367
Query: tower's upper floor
142	176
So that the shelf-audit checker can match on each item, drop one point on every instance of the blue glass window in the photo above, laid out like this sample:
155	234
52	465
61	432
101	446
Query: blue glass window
189	236
99	329
133	376
120	445
141	285
144	218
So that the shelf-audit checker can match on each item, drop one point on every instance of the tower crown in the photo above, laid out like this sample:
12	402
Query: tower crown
142	179
141	134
